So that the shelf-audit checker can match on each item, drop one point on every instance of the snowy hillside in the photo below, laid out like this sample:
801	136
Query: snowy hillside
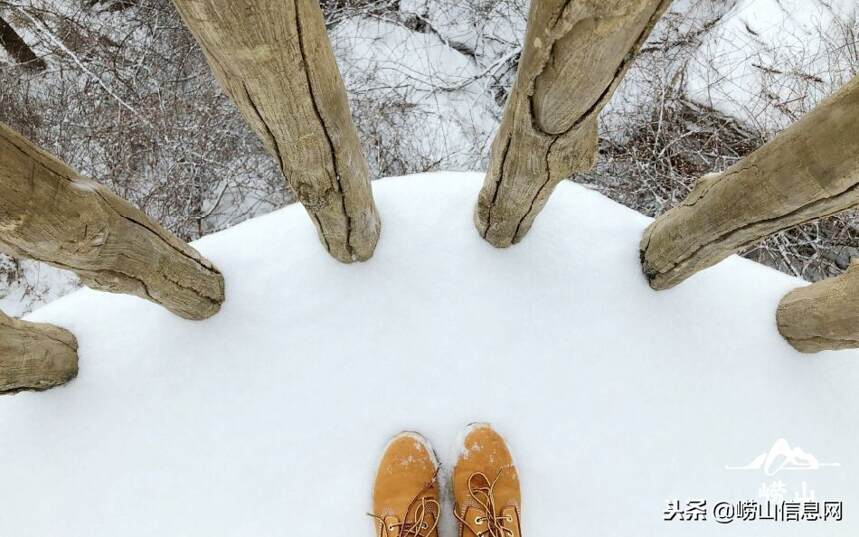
766	62
269	418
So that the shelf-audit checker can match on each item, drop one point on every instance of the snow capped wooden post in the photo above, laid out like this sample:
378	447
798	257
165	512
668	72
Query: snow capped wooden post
824	315
576	53
50	213
35	356
808	171
275	61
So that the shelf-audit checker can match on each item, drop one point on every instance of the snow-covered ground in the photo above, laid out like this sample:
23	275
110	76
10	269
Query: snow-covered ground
766	62
29	284
268	419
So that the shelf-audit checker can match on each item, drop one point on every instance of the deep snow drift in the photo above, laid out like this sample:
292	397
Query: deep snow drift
268	419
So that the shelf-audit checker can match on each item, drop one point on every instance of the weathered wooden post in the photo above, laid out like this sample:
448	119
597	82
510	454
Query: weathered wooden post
810	170
824	315
35	356
275	61
50	213
576	53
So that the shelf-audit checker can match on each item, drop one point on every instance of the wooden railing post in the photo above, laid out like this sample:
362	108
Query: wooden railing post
275	61
35	356
808	171
576	53
824	315
50	213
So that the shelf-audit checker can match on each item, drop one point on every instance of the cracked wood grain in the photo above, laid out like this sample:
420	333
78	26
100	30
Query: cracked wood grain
275	62
50	213
576	53
808	171
35	356
824	315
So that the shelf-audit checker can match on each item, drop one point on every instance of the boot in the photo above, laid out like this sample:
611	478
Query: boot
405	496
486	486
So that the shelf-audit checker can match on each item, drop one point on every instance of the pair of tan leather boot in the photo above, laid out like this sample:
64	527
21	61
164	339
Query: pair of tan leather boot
485	487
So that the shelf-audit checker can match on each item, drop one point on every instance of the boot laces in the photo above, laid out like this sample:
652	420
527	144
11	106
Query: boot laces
426	512
484	496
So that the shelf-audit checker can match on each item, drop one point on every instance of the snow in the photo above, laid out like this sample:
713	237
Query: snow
269	418
433	90
438	83
27	285
792	53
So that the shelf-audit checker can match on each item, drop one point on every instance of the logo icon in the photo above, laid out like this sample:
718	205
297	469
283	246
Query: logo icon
782	458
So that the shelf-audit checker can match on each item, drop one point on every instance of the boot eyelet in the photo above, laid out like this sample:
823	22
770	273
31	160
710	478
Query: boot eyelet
478	520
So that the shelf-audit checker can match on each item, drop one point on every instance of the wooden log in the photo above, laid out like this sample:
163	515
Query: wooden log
824	315
275	61
576	53
35	356
50	213
808	171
